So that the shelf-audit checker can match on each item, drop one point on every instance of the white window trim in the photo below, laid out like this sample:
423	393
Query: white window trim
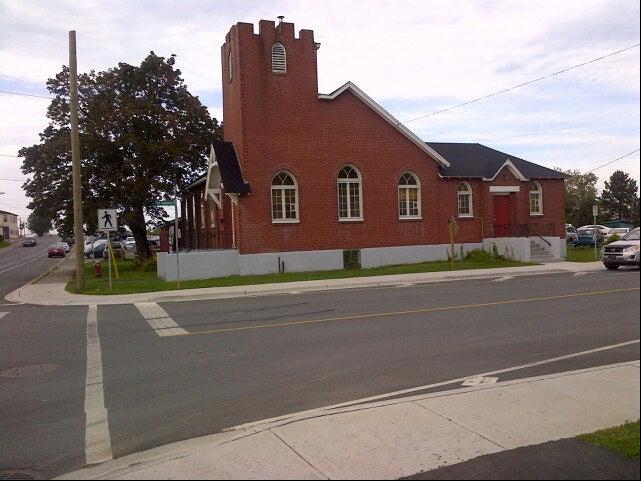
539	193
417	186
347	182
470	194
283	188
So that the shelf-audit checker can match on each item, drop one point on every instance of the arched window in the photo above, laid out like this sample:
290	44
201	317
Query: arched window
536	199
284	198
230	65
465	205
409	196
279	58
350	195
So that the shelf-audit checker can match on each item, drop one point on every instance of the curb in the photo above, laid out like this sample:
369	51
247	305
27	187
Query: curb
258	290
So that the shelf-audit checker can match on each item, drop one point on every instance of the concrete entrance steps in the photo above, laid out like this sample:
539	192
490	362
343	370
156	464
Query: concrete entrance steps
539	254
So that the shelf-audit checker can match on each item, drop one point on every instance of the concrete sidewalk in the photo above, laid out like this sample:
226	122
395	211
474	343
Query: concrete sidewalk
400	437
50	291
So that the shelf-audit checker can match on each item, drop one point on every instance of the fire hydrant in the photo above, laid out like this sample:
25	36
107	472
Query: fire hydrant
97	269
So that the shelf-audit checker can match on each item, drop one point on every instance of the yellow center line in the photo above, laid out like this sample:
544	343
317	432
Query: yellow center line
414	311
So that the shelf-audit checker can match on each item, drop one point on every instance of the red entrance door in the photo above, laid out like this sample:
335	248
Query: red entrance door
502	215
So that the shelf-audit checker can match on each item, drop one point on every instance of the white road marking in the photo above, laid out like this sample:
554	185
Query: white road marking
20	265
2	314
313	412
579	274
97	438
480	381
159	320
503	279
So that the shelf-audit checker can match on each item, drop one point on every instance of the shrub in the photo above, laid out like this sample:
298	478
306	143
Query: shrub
351	259
480	255
611	239
145	265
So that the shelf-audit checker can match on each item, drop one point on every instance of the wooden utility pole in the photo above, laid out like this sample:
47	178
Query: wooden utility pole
78	223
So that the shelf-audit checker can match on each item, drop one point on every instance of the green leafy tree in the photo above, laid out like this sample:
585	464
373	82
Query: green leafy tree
143	137
619	196
635	212
580	195
38	223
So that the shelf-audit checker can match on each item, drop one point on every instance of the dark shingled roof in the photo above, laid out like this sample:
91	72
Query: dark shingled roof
229	166
230	173
479	161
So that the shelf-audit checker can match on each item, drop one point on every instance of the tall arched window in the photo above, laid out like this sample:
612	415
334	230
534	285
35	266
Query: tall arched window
279	58
536	199
350	195
465	204
230	66
409	196
284	198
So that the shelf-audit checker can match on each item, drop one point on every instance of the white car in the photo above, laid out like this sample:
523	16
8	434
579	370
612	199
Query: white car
64	245
130	242
624	252
90	246
601	228
620	231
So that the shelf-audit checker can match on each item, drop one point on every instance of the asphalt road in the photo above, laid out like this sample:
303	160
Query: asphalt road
243	360
19	265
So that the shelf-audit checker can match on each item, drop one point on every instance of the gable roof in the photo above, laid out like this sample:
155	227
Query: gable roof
349	86
224	156
480	161
7	212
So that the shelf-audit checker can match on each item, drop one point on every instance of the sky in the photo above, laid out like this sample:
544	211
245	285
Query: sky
412	57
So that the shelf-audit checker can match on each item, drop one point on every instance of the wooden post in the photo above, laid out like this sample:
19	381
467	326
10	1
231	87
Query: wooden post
78	222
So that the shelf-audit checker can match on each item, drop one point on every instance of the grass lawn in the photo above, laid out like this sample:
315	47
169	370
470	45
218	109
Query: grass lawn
133	280
622	439
581	254
4	243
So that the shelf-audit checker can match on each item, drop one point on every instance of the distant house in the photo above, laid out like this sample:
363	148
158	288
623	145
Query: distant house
10	228
303	179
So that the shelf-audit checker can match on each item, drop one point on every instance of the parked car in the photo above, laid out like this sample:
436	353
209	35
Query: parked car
570	233
624	252
56	251
620	231
601	228
99	251
30	242
90	248
64	245
587	237
130	242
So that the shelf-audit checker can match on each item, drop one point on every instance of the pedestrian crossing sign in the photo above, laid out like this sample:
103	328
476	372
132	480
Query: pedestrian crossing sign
107	220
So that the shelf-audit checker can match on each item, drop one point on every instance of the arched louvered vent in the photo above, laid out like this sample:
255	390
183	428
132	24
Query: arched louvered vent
279	58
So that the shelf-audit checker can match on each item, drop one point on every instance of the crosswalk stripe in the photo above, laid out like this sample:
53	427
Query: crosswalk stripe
2	314
159	320
579	274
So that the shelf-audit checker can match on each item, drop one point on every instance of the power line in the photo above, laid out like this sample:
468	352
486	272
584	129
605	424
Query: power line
8	155
522	84
14	180
613	161
22	94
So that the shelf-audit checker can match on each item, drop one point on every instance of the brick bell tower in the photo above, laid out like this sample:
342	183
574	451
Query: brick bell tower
270	87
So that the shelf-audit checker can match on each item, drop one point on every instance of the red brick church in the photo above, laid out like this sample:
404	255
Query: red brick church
303	177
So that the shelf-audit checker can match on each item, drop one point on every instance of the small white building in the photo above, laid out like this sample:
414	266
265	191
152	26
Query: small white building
10	228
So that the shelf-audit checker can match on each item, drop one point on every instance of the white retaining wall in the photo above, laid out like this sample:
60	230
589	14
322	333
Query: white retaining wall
198	265
301	261
389	256
517	248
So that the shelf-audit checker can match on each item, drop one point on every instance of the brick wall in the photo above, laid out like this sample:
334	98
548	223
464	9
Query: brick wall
277	122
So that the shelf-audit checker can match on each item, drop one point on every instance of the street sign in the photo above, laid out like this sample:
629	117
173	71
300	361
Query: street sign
595	210
107	220
165	203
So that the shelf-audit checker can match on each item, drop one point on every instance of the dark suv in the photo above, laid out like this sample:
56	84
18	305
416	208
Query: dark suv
29	242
